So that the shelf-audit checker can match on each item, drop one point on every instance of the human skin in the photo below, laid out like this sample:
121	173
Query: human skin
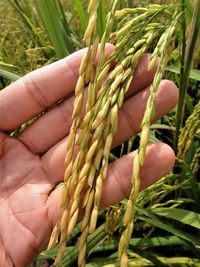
32	164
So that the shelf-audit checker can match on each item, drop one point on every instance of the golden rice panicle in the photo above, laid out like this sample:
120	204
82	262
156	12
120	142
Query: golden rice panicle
87	74
92	196
96	150
90	151
110	110
140	157
104	124
86	169
119	81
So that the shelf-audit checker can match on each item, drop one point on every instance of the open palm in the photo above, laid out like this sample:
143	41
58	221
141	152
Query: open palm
32	164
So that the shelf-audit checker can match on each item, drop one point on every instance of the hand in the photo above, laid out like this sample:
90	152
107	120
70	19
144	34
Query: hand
32	164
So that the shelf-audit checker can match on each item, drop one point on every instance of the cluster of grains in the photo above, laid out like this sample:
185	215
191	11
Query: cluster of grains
95	123
138	162
191	128
86	75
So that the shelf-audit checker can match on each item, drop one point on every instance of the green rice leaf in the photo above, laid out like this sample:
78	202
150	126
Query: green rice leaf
54	28
101	18
149	217
184	216
8	74
156	241
81	14
194	74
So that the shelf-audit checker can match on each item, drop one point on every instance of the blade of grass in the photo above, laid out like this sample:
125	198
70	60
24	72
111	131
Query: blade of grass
101	18
187	56
142	243
194	73
181	215
64	26
47	11
64	20
156	241
147	255
81	14
189	240
149	217
8	74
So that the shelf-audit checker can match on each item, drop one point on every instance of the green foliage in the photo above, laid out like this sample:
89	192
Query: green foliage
186	63
7	71
181	215
194	73
82	15
55	30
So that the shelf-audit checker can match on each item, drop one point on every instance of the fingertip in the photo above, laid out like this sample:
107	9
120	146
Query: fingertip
159	161
169	87
166	98
162	149
109	48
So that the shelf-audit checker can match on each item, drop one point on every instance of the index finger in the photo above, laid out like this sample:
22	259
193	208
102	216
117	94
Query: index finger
39	90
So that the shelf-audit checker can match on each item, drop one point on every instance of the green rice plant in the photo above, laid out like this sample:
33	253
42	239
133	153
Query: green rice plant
53	17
